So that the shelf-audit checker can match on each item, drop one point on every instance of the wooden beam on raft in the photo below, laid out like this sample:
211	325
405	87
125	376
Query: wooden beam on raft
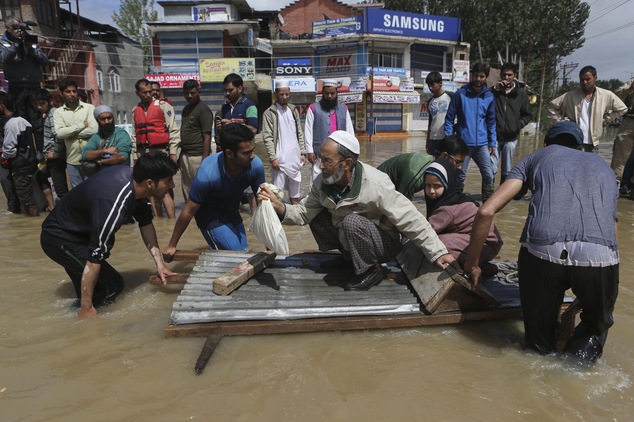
481	291
172	279
237	276
310	325
431	284
205	354
188	255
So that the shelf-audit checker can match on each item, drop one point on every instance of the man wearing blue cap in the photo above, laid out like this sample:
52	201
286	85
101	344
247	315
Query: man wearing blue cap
569	241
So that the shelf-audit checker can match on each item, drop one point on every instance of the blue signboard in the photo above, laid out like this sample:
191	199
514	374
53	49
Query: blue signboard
337	27
294	62
391	71
390	22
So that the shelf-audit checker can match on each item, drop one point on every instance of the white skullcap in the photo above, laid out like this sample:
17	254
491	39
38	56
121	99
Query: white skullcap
102	109
330	82
281	83
345	139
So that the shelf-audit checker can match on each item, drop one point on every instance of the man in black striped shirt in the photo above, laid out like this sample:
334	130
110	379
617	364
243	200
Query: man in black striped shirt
79	233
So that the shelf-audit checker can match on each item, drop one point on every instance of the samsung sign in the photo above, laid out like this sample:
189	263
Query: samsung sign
390	22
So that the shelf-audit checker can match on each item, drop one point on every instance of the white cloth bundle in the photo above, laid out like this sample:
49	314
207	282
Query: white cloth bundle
267	227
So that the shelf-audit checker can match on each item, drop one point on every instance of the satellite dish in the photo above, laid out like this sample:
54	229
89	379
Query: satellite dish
281	19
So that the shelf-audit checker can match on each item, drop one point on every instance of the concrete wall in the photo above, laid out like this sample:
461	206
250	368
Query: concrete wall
126	57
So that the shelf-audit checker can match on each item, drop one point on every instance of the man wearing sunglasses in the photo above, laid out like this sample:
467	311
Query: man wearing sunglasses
512	113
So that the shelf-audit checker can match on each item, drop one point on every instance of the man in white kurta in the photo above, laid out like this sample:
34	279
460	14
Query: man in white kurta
284	141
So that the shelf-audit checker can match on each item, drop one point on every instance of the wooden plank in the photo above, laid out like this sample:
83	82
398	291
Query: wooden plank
172	279
188	255
481	291
432	287
335	323
238	275
430	283
205	354
567	323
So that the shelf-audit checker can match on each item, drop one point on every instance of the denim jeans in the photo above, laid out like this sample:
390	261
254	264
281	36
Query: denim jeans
506	151
484	161
226	233
75	175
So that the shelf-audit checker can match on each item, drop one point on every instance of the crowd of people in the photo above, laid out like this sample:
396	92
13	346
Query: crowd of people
104	177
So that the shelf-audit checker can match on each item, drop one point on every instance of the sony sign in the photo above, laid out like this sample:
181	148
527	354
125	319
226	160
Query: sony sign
294	70
294	67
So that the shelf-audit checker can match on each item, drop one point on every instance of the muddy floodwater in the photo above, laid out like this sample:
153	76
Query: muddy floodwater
120	367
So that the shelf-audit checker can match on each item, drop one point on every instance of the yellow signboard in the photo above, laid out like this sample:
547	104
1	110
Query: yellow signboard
215	70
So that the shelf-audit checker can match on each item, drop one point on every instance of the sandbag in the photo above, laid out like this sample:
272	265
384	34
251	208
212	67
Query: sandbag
267	227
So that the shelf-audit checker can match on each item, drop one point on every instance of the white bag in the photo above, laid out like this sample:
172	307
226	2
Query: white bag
267	227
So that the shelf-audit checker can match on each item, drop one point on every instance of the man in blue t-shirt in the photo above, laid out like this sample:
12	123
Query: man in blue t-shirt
569	241
214	197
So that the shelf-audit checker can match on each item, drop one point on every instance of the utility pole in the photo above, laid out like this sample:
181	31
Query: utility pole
565	72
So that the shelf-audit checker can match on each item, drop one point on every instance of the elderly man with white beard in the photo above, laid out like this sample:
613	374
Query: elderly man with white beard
355	208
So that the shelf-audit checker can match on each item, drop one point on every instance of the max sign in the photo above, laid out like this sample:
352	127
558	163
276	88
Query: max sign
338	64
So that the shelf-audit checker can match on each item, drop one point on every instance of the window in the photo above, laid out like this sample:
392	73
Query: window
388	59
114	81
99	80
44	13
10	7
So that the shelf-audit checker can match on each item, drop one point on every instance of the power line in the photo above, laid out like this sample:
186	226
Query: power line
608	10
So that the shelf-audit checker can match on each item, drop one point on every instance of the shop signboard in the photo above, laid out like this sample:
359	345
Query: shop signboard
346	97
392	83
404	24
461	70
446	76
263	45
298	84
210	13
294	67
337	27
346	84
396	97
389	71
171	80
339	63
215	70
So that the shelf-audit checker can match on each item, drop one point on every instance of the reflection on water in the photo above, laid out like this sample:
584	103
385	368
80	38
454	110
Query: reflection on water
120	367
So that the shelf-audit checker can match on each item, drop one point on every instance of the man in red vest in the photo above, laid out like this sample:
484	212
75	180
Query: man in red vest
155	130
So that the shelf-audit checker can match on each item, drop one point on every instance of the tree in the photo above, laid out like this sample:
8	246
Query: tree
130	19
541	32
538	31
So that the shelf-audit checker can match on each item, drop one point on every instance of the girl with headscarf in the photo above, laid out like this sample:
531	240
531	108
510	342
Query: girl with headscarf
451	213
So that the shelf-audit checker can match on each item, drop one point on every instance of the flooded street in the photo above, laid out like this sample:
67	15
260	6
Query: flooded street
119	366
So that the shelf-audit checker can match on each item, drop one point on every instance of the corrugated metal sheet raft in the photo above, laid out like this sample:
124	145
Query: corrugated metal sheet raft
292	287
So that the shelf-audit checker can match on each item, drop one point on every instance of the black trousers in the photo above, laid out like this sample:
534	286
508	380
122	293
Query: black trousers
73	258
542	286
369	245
56	169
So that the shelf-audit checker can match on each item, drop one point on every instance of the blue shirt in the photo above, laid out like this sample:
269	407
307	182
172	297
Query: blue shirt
574	197
217	193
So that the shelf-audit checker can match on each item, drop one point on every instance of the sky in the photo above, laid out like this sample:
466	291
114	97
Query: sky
609	32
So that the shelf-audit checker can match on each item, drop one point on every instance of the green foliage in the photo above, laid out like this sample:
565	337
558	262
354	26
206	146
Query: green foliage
130	19
538	31
611	84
